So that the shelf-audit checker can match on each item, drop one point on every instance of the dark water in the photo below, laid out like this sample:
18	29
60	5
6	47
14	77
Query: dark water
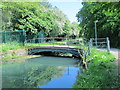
41	72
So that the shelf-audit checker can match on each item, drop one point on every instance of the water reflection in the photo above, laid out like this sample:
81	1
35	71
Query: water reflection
66	81
42	72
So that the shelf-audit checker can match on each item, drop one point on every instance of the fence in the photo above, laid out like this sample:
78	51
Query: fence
13	36
100	42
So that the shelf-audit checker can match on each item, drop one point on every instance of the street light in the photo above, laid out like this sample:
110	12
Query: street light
96	32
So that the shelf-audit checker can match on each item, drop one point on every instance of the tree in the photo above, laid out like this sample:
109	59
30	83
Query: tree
76	30
107	13
34	17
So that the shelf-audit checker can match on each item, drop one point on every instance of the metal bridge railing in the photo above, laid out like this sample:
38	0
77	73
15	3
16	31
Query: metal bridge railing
61	41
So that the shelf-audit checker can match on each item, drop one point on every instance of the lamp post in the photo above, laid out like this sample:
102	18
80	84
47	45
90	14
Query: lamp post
96	32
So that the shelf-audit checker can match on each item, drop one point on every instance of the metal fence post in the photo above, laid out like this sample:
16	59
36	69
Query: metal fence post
91	42
24	37
108	44
4	36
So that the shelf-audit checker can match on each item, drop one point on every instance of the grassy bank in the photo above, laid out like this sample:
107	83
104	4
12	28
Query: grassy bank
101	73
13	46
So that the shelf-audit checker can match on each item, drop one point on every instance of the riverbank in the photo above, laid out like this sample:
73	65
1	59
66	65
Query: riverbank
21	55
15	54
18	59
11	52
102	72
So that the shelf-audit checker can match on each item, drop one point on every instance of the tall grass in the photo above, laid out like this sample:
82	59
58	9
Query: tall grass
101	72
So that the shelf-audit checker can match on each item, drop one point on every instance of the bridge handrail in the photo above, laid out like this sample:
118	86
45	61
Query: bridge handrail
66	41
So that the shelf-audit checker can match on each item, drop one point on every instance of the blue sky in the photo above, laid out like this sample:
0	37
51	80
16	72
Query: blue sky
69	8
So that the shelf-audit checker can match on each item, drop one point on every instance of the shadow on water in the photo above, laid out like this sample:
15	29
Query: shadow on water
41	72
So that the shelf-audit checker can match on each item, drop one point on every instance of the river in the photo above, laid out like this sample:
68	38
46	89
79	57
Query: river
41	72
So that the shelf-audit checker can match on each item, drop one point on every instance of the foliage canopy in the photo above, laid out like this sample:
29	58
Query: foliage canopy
108	16
34	17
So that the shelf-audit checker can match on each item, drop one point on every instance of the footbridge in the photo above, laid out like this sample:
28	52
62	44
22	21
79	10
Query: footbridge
55	44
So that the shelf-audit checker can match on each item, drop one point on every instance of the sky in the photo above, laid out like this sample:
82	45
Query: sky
69	8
